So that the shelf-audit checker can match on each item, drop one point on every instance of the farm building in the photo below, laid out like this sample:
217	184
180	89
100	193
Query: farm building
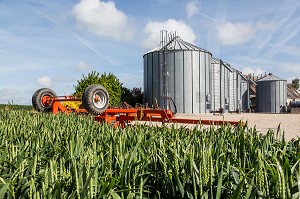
293	100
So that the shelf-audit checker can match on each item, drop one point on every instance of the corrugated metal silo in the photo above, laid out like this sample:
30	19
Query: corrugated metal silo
220	85
271	94
181	71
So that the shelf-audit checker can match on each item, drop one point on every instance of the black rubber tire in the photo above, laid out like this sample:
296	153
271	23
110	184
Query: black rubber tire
92	93
37	99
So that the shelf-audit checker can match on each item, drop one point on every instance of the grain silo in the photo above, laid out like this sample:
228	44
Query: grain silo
220	85
181	71
271	94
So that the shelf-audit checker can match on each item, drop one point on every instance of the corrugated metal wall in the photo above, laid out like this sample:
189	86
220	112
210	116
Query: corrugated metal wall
271	96
244	94
188	79
220	86
233	98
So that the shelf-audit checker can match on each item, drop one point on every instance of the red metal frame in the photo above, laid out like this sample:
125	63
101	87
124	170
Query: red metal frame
123	116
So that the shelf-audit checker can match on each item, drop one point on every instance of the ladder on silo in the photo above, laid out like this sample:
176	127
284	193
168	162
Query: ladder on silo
163	68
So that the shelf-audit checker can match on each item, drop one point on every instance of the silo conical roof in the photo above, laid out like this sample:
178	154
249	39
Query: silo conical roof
176	43
270	77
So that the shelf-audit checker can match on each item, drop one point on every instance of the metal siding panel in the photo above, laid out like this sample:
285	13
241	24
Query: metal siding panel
239	93
285	93
265	97
188	79
145	79
244	95
216	87
208	80
188	82
227	94
179	81
171	74
272	97
282	96
150	80
196	82
264	93
239	98
221	85
161	97
202	82
278	101
233	91
156	78
258	96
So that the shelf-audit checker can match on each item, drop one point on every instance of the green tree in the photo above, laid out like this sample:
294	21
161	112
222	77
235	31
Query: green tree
133	96
127	96
295	83
137	95
109	81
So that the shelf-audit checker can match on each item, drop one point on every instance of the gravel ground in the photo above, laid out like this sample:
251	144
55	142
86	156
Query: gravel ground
289	123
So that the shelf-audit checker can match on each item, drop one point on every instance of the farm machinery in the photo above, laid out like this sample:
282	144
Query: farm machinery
95	101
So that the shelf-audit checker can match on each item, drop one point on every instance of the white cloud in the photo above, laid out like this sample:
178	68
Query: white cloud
14	96
132	79
192	8
252	70
289	67
235	33
153	28
81	66
44	81
290	50
103	19
270	26
8	91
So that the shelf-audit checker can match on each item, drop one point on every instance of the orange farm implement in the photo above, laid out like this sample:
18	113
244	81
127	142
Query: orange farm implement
95	101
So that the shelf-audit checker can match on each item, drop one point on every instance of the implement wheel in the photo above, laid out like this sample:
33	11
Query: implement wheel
95	99
42	99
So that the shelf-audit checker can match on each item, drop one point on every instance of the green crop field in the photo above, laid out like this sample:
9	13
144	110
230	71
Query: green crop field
69	156
15	107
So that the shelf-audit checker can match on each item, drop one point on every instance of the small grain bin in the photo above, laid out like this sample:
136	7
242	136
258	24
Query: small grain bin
271	94
181	71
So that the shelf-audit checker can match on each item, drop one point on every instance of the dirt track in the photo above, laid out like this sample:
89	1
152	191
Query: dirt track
289	123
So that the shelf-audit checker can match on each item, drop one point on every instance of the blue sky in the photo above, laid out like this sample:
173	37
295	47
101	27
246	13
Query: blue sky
51	43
